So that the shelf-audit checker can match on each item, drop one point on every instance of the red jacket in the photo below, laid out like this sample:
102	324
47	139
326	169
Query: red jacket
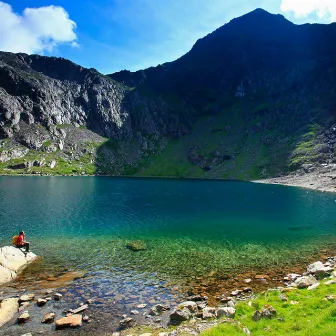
21	239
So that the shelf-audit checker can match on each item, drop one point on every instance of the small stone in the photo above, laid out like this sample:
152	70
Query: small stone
208	313
79	309
24	317
146	334
134	312
197	298
89	301
330	282
58	296
41	302
127	323
48	318
313	286
26	297
248	281
236	292
116	334
141	306
48	298
226	311
86	318
247	289
29	334
72	321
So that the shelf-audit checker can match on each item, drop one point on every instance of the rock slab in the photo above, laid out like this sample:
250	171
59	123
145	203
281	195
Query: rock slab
12	261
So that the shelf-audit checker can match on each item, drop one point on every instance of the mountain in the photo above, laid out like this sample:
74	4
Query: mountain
256	98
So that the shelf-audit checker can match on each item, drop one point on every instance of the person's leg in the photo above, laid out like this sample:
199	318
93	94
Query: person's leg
26	245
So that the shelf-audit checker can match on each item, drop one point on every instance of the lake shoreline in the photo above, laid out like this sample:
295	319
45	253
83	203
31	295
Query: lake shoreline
148	318
320	181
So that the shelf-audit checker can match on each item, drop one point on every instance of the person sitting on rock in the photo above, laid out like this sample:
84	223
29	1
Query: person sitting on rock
21	242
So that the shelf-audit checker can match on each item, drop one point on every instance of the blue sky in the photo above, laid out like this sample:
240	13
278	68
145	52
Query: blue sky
112	35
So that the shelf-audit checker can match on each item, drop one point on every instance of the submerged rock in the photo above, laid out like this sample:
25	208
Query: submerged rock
136	245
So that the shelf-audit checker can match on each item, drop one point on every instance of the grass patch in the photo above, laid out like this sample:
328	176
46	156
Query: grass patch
311	316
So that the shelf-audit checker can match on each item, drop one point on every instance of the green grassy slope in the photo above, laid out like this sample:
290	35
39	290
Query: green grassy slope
306	313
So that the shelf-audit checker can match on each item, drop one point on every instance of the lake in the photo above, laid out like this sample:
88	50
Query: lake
196	233
190	227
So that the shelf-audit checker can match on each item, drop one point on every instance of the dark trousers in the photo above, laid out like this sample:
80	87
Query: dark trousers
26	245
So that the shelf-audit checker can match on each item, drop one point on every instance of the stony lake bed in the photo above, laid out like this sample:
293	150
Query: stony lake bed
197	238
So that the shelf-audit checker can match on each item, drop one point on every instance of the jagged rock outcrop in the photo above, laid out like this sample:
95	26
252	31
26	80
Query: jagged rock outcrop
12	261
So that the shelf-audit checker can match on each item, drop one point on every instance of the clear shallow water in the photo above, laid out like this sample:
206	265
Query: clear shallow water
190	227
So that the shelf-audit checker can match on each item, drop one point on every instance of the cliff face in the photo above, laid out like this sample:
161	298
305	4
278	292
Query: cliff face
256	98
40	97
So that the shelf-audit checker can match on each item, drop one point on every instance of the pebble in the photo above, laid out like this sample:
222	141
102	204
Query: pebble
141	306
58	296
248	281
48	318
24	317
134	312
41	302
330	282
26	297
313	286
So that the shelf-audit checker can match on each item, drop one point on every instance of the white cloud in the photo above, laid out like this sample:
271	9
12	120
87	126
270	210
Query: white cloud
324	9
36	30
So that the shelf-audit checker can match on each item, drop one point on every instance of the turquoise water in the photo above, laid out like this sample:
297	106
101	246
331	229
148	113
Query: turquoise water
190	227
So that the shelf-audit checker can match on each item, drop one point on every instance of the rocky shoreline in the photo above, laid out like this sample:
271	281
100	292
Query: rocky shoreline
321	178
46	311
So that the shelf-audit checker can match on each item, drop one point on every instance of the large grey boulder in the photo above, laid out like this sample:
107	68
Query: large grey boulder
12	261
305	281
319	268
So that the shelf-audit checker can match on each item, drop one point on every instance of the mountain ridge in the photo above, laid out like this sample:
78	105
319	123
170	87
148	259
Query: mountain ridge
253	99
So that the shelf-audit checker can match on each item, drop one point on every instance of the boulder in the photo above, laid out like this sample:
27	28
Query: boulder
190	305
313	286
319	268
226	312
268	312
305	281
180	315
12	261
256	316
127	323
72	321
208	313
48	318
8	309
158	309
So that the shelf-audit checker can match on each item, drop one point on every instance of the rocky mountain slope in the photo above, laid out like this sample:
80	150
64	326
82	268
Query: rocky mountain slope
256	98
